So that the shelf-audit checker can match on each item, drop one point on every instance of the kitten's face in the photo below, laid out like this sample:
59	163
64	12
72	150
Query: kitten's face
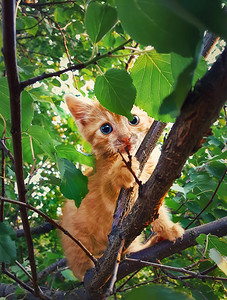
107	132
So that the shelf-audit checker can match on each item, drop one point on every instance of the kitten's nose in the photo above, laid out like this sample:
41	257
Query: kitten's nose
124	139
125	143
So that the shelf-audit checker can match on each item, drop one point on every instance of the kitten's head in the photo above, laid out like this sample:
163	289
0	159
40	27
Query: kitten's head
106	131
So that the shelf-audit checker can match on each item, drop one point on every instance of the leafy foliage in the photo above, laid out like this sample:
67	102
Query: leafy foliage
51	37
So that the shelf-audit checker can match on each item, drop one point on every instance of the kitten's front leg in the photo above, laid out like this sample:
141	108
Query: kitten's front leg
121	175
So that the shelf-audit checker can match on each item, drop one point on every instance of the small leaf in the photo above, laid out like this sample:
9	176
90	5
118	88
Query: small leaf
68	275
7	244
31	25
99	19
43	139
116	92
59	14
27	110
69	152
74	183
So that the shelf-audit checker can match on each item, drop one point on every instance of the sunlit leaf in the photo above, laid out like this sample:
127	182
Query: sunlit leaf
69	152
99	19
116	92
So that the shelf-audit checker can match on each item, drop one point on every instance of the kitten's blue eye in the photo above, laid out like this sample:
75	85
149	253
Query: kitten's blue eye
135	120
106	129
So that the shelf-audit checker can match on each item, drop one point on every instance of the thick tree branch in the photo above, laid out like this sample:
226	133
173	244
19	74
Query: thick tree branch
199	111
9	52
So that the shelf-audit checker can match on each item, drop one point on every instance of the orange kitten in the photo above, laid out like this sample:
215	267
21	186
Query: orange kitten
91	222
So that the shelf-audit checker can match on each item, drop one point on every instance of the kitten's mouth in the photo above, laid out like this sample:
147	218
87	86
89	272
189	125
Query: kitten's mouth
124	148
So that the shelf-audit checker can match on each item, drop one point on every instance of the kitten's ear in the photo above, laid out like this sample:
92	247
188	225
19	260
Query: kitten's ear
79	108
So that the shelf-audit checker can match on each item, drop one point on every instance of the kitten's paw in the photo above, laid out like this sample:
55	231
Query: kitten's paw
174	232
124	176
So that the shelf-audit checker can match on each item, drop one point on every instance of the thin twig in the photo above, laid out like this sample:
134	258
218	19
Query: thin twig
126	281
7	151
79	66
175	269
128	165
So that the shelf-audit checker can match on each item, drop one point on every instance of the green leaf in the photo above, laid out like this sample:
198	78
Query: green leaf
213	242
216	168
4	98
70	152
99	19
31	25
183	72
74	183
156	292
68	275
43	139
27	110
116	92
150	22
214	20
59	14
7	243
153	78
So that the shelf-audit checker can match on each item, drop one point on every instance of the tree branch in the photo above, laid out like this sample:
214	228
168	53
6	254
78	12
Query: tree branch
80	66
166	248
158	251
9	52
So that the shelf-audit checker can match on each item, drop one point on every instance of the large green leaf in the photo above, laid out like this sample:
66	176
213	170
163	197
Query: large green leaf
150	22
69	152
156	292
184	70
42	138
116	92
74	183
156	77
7	243
99	19
153	79
204	14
